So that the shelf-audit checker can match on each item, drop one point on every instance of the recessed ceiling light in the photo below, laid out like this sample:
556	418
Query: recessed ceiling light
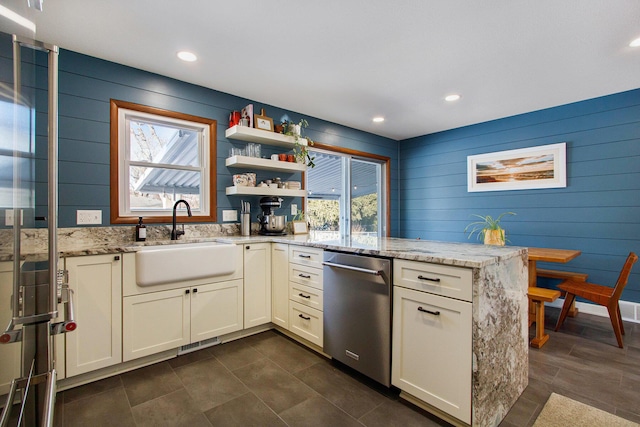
378	119
187	56
451	98
635	43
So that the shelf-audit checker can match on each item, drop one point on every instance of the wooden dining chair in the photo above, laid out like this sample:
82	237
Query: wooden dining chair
602	295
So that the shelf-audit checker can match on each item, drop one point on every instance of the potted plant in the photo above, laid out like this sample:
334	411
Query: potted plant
489	228
299	150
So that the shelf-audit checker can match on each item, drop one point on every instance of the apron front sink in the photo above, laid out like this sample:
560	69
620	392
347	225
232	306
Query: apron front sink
156	265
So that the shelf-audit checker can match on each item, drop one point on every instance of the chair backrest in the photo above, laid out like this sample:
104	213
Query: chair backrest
623	278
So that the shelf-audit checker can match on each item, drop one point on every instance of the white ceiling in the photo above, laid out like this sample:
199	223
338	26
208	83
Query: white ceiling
346	61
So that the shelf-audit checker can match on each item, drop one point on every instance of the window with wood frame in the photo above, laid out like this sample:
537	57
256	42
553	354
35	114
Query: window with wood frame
159	157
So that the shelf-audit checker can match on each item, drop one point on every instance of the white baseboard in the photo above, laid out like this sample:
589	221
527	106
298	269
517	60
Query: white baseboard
630	311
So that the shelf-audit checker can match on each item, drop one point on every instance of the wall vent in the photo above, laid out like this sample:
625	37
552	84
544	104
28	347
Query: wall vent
198	345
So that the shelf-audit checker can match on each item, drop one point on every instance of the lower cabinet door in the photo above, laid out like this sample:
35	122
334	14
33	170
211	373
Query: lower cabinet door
306	322
257	284
155	322
280	284
432	350
216	309
96	282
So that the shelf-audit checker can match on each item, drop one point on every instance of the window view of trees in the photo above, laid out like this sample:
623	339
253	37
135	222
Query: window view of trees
327	183
324	215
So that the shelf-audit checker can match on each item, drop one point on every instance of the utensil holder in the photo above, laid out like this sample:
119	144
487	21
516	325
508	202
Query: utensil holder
245	224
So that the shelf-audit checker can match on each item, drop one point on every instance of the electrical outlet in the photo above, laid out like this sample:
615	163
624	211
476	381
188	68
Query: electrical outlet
8	217
88	217
294	209
230	215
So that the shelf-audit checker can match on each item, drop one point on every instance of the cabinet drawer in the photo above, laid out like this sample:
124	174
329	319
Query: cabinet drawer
306	322
445	280
305	256
306	295
306	275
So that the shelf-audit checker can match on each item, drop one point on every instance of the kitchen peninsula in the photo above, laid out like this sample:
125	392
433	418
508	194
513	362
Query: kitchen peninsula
497	304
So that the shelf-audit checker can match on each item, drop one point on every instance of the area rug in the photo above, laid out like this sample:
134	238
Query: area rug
560	411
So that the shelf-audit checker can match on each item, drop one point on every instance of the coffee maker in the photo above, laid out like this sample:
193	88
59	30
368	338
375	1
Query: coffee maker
271	224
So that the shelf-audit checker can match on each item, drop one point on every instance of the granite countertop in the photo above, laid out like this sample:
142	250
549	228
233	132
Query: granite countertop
76	242
457	254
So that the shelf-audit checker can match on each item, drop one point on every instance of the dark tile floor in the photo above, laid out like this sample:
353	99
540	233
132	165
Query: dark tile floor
267	379
582	361
263	380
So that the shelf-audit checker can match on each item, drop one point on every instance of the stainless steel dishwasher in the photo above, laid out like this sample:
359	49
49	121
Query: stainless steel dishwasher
357	313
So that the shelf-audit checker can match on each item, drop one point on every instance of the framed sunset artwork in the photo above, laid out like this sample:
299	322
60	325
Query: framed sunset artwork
543	166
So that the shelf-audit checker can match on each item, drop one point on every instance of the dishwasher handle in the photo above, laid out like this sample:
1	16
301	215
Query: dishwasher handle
352	268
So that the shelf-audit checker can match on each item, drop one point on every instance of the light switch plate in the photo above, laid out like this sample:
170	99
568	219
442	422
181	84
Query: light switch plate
230	215
294	209
88	217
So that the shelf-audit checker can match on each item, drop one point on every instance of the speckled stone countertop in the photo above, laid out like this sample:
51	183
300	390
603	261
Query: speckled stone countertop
97	241
458	254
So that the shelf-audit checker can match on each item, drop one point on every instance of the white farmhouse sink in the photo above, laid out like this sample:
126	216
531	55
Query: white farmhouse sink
156	265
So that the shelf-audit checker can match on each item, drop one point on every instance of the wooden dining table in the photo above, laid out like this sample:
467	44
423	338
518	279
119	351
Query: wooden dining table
548	255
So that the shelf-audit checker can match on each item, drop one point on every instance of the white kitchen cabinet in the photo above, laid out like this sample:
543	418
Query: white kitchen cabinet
170	315
9	353
305	255
216	309
164	320
96	282
305	293
432	350
306	322
155	322
280	284
257	284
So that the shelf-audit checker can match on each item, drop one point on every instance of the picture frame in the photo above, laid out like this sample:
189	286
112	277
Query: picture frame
299	227
263	122
544	166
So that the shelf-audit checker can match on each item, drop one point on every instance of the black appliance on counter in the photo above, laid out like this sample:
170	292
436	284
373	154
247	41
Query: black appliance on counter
271	224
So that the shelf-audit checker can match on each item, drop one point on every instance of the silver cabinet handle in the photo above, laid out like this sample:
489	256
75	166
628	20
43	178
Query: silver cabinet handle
352	268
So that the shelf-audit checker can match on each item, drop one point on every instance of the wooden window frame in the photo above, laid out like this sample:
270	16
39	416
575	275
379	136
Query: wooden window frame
115	216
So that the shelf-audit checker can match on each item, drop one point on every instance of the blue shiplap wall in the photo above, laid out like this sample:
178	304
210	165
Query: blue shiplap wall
87	84
598	212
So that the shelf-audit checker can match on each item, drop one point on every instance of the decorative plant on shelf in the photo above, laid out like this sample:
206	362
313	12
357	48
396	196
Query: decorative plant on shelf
299	150
489	228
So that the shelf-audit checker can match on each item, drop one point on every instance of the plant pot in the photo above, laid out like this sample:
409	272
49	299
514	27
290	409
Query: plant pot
293	129
494	237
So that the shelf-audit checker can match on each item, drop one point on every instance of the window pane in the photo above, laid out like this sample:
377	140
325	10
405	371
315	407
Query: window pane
364	197
324	184
159	188
160	143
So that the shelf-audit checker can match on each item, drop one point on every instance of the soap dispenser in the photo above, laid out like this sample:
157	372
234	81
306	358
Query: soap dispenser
141	231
